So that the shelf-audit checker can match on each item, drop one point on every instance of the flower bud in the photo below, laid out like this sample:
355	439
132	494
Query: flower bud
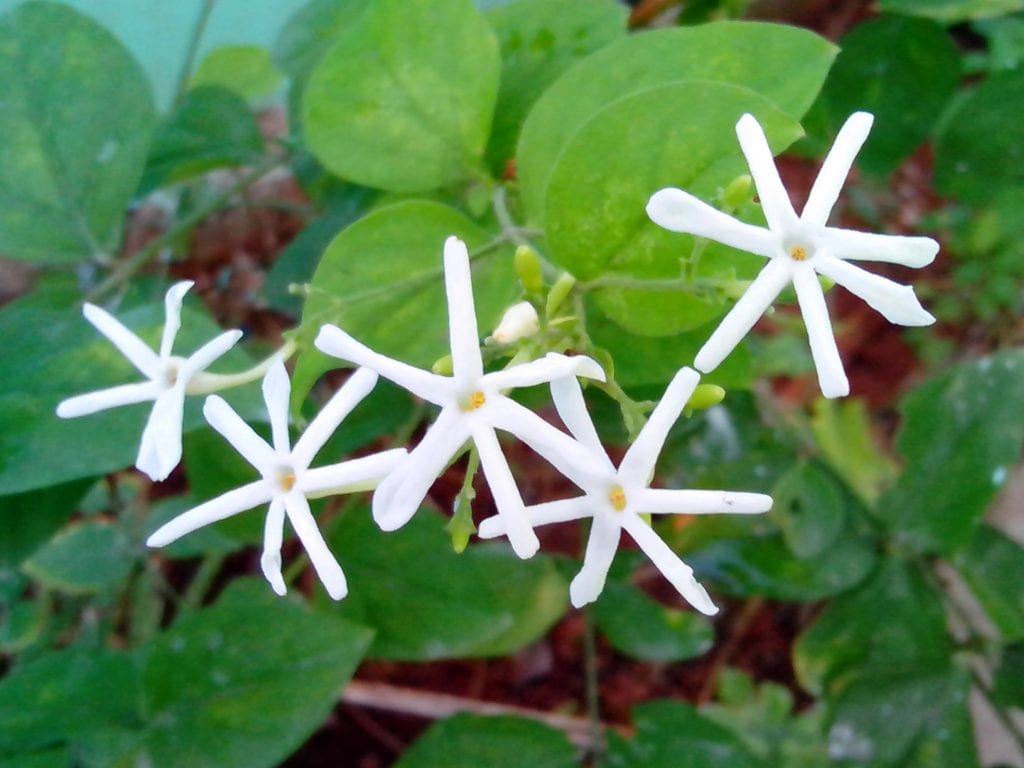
738	192
519	321
528	269
559	292
705	396
443	366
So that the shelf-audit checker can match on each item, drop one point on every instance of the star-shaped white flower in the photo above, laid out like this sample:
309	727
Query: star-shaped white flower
799	247
170	378
615	498
472	407
287	482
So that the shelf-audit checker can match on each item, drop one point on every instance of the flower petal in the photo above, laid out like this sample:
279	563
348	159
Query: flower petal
637	466
101	400
775	203
320	556
679	574
400	494
865	246
128	344
277	390
831	376
836	168
549	368
744	314
362	474
680	211
429	386
560	511
243	439
687	502
567	395
225	505
897	303
204	357
504	490
160	448
273	535
323	425
172	315
463	334
601	547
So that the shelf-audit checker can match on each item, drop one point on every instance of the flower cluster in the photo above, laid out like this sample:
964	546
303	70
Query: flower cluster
475	405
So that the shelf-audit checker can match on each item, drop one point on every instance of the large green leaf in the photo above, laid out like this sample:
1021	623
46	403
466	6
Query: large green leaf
29	519
960	434
993	566
678	135
245	70
391	106
785	65
810	508
84	558
472	741
952	10
75	116
311	32
539	39
427	602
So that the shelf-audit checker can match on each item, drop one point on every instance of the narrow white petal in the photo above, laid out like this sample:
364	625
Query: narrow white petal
836	168
680	211
549	512
551	367
363	474
775	203
101	400
831	376
865	246
341	404
679	574
741	318
225	505
277	390
505	492
129	345
637	466
160	448
320	556
273	535
400	494
204	357
567	395
897	303
463	334
688	502
601	547
435	389
243	439
172	315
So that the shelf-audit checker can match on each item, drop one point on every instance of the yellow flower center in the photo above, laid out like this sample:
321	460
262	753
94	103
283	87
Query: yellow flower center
171	373
286	478
474	401
617	497
798	252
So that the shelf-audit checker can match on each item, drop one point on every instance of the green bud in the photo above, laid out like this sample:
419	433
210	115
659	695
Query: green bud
460	528
528	269
559	293
705	396
738	192
826	282
443	366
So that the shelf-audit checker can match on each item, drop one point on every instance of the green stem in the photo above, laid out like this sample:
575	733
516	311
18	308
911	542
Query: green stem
597	747
193	50
199	587
205	383
704	287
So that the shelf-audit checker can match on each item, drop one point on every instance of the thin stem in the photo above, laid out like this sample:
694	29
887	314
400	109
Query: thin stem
205	383
593	692
193	50
703	287
199	587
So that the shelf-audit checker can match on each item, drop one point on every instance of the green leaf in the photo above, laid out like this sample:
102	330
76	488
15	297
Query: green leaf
667	731
311	32
473	741
84	558
810	508
30	519
1009	679
639	627
381	280
880	70
679	135
992	564
540	39
426	602
848	638
785	65
211	128
951	11
222	537
842	431
388	91
245	682
961	432
245	70
979	151
76	120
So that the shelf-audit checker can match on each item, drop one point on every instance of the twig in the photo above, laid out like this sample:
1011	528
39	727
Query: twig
193	50
725	651
596	731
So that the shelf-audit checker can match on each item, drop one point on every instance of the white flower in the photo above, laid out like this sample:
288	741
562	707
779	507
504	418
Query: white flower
287	481
472	407
519	321
797	248
170	379
615	498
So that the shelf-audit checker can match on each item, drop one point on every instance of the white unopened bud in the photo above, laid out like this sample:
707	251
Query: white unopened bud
519	321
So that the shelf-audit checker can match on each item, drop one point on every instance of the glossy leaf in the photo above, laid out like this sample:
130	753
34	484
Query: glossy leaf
245	70
810	508
29	519
84	558
311	32
992	564
76	123
950	11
